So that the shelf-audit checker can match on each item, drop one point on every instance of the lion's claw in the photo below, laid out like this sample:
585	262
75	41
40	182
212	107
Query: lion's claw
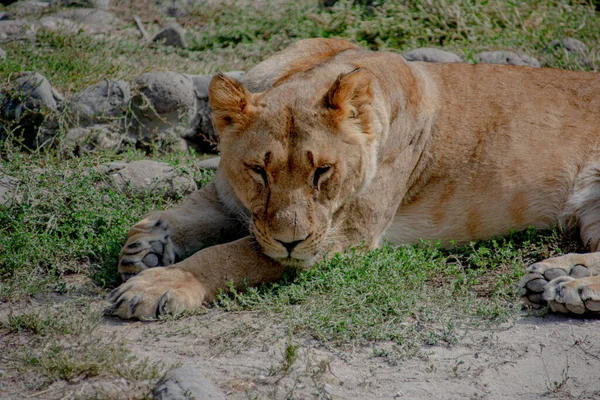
156	292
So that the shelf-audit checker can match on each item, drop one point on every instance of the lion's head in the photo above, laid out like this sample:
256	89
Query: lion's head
295	154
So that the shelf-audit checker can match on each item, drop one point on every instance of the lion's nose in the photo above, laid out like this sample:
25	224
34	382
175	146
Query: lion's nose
289	246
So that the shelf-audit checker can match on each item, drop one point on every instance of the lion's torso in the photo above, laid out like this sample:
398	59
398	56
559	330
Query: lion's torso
501	147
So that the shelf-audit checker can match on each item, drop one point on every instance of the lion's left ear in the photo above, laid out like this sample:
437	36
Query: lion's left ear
351	96
231	103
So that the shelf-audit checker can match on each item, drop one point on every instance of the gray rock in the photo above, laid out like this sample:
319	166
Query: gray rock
16	29
432	55
91	20
32	92
54	23
164	106
210	163
92	138
171	35
2	55
201	82
101	102
176	8
201	125
146	175
166	92
4	16
27	8
8	187
185	383
507	57
99	4
571	45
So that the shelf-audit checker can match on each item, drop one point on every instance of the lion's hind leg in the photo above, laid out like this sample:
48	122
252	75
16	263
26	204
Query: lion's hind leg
571	283
568	283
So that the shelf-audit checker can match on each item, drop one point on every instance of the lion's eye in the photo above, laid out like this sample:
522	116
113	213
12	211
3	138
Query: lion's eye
260	171
319	173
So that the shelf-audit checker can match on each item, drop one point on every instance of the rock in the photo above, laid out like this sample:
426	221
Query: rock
16	29
92	138
171	35
145	175
99	4
59	24
210	163
2	55
4	16
571	45
27	8
186	383
29	102
32	92
201	82
201	125
432	55
507	57
88	19
165	105
101	102
8	187
166	92
174	8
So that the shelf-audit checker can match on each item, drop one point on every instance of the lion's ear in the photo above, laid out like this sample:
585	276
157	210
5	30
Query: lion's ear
231	103
350	96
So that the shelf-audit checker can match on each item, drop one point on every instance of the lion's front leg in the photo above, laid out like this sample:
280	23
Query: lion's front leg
164	237
197	279
568	283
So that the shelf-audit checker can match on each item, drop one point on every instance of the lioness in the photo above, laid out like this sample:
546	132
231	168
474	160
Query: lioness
327	145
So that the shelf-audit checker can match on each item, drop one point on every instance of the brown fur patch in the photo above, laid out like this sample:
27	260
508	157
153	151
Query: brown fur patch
517	207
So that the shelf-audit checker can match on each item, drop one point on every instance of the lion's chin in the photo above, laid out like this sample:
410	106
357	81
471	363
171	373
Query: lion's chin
296	263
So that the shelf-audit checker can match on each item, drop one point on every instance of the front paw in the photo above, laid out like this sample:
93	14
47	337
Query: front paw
156	292
149	245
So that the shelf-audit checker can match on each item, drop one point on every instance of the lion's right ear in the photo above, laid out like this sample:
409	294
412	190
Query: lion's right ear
231	103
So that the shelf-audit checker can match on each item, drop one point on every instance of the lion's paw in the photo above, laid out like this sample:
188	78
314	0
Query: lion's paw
533	284
568	295
156	292
149	245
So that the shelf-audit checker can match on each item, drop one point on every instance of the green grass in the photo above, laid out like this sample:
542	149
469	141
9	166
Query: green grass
67	219
409	295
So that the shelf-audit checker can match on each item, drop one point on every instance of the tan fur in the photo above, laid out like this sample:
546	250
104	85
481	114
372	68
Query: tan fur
326	145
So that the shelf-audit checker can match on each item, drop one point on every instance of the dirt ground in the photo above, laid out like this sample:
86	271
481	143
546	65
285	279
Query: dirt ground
247	356
535	358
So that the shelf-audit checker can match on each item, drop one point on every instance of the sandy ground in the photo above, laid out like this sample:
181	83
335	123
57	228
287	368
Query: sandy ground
244	355
535	358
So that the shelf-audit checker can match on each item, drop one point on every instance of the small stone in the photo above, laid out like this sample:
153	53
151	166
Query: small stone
146	175
210	163
27	8
432	55
86	140
186	383
171	35
99	4
507	57
570	44
90	20
2	55
8	186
